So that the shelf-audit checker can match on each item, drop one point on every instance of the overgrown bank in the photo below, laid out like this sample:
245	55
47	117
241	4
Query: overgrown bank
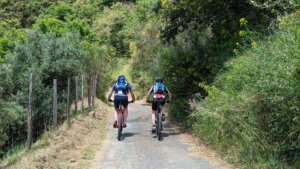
68	147
251	112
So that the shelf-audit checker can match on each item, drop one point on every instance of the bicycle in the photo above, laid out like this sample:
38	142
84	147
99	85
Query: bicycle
158	120
120	119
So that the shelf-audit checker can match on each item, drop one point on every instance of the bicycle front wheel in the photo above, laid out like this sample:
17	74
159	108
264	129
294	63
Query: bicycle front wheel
120	126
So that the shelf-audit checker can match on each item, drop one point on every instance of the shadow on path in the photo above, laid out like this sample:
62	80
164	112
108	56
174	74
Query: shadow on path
139	119
145	104
124	135
167	133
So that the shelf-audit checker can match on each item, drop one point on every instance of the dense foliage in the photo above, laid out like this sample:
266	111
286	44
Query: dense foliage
52	43
252	109
48	58
188	44
204	36
20	14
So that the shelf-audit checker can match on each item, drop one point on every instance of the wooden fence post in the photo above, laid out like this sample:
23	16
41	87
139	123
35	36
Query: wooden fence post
94	90
82	96
29	119
68	103
55	103
89	92
76	94
95	94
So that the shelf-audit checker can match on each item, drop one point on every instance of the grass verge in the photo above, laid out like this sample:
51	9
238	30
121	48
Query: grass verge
67	147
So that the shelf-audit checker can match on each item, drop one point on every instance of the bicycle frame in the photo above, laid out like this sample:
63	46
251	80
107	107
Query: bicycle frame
120	119
159	121
120	111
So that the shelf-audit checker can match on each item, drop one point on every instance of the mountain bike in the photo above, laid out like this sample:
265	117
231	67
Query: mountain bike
120	119
158	119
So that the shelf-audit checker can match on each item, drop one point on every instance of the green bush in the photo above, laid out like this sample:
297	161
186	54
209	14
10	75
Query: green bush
11	114
48	57
252	110
145	57
8	38
110	29
22	14
62	11
185	63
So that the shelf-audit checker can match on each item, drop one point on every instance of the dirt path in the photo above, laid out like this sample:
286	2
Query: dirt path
140	148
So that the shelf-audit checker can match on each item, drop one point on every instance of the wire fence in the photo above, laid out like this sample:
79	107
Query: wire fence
50	108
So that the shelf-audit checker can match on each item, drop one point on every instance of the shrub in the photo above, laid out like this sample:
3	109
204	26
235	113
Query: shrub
48	57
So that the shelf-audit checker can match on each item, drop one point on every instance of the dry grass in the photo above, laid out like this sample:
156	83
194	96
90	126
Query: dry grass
68	147
198	149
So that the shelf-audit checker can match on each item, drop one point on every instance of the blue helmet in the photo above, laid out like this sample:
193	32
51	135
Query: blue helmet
159	79
121	79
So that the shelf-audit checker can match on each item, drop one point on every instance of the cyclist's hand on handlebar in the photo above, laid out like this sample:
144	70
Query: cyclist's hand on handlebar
132	101
110	100
148	101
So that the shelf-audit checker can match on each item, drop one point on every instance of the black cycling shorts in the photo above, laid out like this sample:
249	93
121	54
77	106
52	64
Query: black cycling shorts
155	103
120	100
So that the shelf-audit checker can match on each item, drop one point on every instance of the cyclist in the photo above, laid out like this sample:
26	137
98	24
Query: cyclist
159	90
120	89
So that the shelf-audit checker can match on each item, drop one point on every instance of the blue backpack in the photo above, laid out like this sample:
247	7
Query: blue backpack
159	88
122	87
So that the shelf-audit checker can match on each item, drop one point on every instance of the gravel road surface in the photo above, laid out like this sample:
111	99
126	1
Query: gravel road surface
140	149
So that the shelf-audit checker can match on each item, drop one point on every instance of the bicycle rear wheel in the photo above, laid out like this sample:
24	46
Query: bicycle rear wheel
120	126
158	125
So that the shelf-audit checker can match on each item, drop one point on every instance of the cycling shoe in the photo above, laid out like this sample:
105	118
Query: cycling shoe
153	129
163	118
115	125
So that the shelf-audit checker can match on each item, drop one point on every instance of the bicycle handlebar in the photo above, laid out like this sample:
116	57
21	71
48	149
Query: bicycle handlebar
148	101
128	101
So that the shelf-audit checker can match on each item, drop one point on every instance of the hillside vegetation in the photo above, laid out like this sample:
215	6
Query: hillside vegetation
252	109
52	40
233	66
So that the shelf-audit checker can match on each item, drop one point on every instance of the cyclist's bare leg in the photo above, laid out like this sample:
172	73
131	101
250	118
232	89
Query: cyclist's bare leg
115	114
162	109
125	114
153	117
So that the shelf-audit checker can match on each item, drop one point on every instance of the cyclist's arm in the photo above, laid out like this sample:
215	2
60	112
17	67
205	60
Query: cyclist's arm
169	94
129	88
149	93
132	95
110	94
